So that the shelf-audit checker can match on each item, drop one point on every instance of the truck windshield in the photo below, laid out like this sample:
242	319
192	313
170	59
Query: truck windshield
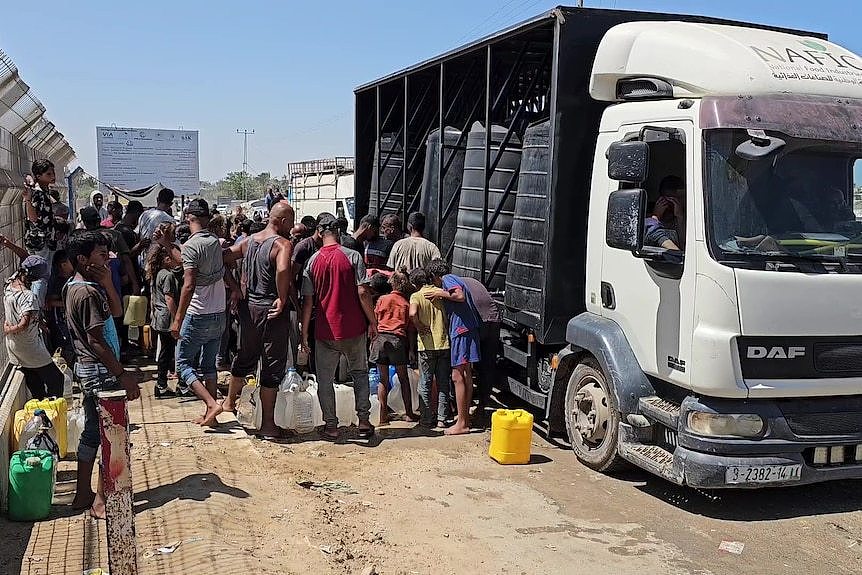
793	205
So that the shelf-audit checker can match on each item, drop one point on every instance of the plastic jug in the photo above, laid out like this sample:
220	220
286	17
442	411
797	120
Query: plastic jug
74	428
57	410
511	436
31	485
39	427
374	379
292	382
136	310
66	370
249	399
395	400
345	405
303	412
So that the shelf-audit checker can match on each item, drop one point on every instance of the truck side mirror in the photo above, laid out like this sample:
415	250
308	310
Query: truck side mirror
625	222
628	161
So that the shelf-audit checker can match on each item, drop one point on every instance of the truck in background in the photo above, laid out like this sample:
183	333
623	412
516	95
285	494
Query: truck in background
538	153
317	186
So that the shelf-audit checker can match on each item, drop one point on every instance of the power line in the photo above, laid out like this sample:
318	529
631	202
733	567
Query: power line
245	135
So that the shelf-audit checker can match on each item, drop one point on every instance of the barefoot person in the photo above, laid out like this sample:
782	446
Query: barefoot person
334	282
91	303
200	316
263	313
463	337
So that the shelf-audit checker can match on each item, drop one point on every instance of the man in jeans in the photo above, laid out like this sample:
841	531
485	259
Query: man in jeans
91	301
334	281
200	318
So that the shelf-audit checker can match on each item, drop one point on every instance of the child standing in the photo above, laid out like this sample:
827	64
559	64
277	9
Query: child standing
463	336
56	308
23	337
91	303
165	293
390	345
429	318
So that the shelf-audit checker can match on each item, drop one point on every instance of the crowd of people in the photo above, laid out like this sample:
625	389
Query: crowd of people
228	293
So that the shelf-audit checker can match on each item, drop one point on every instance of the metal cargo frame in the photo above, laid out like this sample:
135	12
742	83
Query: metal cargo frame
535	70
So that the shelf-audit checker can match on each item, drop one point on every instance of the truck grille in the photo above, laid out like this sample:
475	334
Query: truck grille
838	357
825	423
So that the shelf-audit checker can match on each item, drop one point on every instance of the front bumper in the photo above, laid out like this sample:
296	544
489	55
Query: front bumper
794	429
707	470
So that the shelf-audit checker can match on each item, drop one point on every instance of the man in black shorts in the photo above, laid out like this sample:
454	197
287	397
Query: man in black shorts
263	313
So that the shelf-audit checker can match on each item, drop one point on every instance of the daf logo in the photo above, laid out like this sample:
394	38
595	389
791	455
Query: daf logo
758	352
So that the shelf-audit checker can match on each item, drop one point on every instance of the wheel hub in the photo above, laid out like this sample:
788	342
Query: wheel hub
590	412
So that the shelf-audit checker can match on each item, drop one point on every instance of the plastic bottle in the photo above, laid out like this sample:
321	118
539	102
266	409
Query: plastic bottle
293	382
301	356
40	423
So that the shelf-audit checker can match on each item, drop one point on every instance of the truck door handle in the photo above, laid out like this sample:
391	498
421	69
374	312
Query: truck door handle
608	299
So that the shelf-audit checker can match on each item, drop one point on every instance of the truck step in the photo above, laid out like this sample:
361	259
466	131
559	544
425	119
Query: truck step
527	394
653	458
661	410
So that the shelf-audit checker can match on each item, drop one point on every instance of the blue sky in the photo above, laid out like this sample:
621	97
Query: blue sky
286	69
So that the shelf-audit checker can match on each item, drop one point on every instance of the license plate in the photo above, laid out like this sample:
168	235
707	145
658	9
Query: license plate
762	473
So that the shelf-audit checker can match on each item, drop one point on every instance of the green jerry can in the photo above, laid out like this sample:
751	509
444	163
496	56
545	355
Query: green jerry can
31	484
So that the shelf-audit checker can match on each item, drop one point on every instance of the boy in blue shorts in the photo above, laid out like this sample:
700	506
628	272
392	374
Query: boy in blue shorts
463	337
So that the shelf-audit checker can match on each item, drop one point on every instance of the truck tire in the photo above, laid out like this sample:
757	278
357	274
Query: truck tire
592	418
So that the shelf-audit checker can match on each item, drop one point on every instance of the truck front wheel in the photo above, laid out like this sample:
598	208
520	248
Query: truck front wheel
592	417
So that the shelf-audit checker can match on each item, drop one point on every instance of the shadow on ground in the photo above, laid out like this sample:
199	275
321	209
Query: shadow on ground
195	487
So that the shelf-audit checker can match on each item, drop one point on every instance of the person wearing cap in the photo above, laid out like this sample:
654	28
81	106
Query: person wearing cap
200	317
334	282
24	340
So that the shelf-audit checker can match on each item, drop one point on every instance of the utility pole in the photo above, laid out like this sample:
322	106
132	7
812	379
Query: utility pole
245	134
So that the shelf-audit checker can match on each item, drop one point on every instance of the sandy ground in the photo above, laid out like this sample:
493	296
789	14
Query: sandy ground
404	503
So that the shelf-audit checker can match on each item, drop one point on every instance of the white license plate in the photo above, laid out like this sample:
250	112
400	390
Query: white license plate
762	473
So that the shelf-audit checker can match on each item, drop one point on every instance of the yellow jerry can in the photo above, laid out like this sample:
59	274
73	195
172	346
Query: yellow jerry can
511	436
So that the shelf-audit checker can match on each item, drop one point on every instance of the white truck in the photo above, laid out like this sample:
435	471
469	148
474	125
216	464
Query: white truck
681	270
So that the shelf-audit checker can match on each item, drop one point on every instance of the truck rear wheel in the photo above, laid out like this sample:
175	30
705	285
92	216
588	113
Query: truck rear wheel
592	418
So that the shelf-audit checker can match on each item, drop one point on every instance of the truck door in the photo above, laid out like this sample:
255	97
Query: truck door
652	300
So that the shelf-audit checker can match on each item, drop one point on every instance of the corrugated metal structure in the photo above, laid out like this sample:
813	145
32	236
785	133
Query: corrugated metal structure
532	73
25	135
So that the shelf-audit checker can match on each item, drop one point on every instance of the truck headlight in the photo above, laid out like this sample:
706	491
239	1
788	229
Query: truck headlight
725	424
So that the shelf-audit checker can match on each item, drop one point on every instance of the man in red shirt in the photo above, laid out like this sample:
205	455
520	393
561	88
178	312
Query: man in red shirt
334	282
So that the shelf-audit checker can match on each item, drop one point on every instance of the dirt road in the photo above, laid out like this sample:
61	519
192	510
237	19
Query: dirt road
406	504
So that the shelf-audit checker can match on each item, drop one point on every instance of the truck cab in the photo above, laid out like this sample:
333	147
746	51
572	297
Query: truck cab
721	343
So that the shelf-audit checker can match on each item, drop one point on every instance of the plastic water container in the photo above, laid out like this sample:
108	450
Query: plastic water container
74	427
395	400
303	411
374	379
345	405
57	410
511	436
292	382
246	407
40	423
136	310
31	485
